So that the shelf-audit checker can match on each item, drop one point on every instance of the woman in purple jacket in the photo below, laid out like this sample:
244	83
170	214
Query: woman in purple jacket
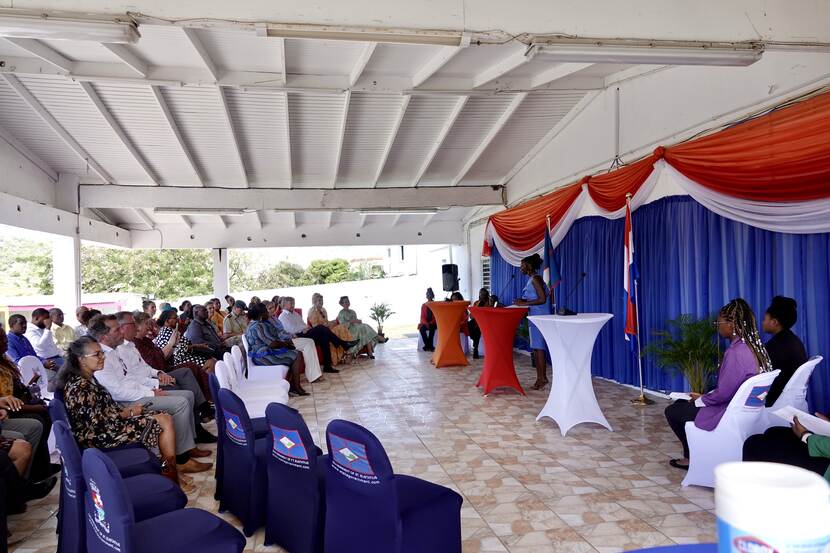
745	357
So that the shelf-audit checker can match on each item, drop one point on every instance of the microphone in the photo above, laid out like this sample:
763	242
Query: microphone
504	288
564	310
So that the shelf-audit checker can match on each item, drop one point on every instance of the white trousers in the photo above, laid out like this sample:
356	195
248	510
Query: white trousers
312	362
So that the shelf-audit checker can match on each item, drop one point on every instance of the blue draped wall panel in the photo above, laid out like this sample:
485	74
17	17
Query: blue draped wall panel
691	261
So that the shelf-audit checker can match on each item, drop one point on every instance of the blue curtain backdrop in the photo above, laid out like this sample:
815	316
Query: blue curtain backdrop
691	261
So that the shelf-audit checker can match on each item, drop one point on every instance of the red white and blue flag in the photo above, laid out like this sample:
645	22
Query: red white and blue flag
629	276
550	274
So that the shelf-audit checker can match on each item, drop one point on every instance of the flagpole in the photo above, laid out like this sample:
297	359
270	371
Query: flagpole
642	399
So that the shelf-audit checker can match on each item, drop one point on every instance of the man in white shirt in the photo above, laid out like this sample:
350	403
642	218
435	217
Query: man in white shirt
178	382
129	389
40	335
323	337
80	330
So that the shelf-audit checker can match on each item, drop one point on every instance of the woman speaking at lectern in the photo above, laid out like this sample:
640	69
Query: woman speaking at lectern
535	297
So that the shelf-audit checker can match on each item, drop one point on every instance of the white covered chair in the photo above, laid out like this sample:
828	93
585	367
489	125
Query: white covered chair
263	372
29	367
255	401
463	338
724	444
250	388
794	394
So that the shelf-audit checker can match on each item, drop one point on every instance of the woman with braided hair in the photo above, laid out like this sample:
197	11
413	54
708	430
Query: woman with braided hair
744	358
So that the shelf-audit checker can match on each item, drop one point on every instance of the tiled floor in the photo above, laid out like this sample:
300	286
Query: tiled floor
525	487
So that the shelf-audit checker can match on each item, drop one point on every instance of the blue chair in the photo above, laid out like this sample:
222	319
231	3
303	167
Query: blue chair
296	470
370	509
244	479
111	524
131	459
150	494
259	425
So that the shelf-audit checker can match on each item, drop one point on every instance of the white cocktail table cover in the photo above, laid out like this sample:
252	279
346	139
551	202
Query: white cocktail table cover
571	343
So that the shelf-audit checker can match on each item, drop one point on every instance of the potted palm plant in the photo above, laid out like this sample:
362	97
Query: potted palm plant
379	313
689	346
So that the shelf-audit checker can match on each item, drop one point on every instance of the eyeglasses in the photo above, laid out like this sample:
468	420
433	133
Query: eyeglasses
97	354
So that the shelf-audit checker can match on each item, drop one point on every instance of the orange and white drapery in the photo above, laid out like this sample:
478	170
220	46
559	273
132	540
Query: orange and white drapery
771	172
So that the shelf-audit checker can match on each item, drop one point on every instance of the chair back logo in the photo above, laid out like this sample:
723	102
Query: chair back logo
288	448
349	459
233	428
98	504
757	397
67	484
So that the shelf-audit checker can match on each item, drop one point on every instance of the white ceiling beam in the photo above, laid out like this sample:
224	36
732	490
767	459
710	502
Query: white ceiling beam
491	134
341	137
50	120
434	64
223	221
363	218
44	52
328	217
119	132
202	52
258	218
428	218
397	219
223	100
186	220
145	218
171	122
362	62
292	219
287	137
281	60
24	150
445	130
551	134
130	59
282	199
521	56
559	71
392	135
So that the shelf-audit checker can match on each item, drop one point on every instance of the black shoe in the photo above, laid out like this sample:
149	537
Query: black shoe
475	355
330	370
206	412
54	468
351	343
203	436
295	393
39	490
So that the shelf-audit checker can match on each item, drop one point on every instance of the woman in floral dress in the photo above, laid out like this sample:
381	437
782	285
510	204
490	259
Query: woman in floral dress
317	315
363	333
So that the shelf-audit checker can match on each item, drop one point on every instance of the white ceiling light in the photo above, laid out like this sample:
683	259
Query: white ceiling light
15	24
202	211
652	53
365	34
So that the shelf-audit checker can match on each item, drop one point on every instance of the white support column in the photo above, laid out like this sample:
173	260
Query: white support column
221	278
66	274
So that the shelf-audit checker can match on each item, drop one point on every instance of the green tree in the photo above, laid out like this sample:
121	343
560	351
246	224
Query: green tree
328	271
28	267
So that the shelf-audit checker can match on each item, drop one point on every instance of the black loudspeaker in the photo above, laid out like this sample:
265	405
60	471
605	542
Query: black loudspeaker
449	274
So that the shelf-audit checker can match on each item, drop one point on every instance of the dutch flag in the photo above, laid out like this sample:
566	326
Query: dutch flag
629	275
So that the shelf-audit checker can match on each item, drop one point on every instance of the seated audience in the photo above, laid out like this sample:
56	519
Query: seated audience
15	458
203	336
322	335
277	301
234	325
785	350
84	319
318	316
428	326
229	301
475	332
795	446
149	307
457	296
305	346
254	300
170	337
126	390
268	349
39	334
161	359
98	421
20	347
494	301
217	303
64	334
365	335
185	315
177	382
80	330
744	358
28	414
215	319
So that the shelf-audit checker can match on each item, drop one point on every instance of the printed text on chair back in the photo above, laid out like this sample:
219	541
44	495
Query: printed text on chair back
72	535
109	516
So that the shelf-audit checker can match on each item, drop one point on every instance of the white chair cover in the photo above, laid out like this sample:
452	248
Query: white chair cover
263	372
724	444
794	394
29	367
255	401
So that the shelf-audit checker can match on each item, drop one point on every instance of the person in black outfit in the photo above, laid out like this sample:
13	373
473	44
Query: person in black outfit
475	332
785	350
427	326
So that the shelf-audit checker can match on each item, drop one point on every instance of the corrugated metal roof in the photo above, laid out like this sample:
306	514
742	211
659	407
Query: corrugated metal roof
315	135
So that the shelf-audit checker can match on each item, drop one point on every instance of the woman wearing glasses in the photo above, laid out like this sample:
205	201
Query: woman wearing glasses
744	358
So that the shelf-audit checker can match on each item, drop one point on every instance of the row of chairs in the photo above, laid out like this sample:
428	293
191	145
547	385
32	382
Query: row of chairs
746	415
116	499
270	472
255	393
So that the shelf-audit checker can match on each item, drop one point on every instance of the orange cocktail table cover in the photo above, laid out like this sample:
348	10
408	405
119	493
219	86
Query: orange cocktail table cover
498	327
448	316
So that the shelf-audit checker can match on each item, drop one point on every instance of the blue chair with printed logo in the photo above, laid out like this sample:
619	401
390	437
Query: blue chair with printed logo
296	470
111	525
369	508
150	494
260	431
244	478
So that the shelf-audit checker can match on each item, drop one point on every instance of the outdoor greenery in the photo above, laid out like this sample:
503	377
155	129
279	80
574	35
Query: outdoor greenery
689	346
379	312
163	273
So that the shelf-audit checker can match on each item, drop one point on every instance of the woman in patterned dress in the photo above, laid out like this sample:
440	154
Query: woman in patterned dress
98	421
182	347
317	315
365	335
